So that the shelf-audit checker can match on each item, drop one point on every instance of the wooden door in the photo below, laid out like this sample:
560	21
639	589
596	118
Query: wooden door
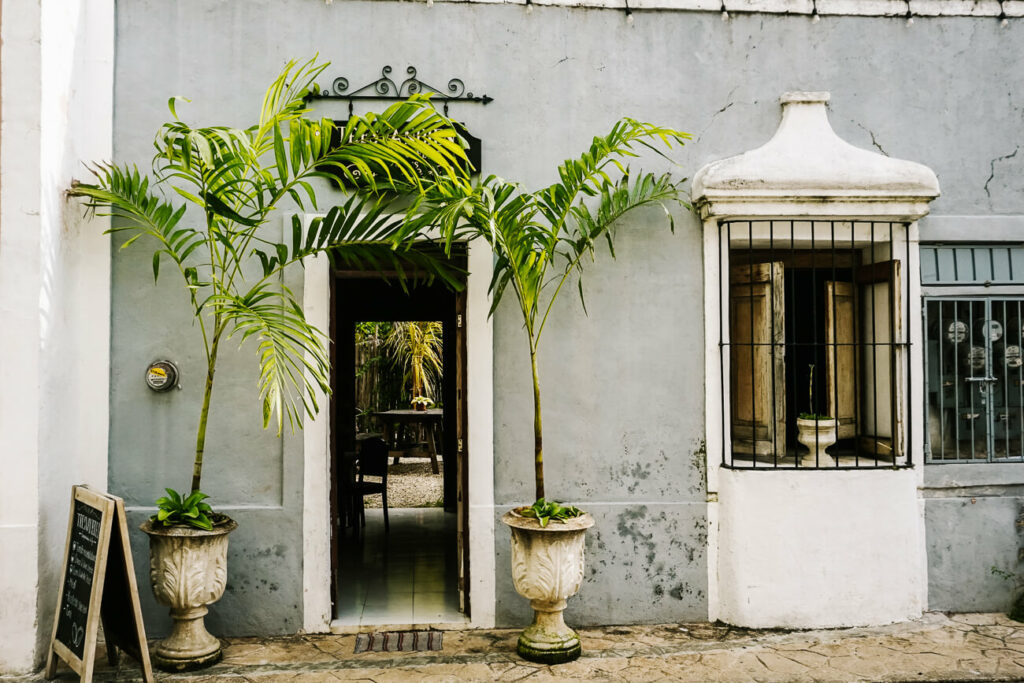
757	358
461	451
840	359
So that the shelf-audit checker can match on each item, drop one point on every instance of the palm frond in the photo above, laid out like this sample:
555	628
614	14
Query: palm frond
364	233
417	346
124	194
292	353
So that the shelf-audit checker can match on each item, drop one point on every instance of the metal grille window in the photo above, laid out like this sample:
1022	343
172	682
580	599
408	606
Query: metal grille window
813	344
974	384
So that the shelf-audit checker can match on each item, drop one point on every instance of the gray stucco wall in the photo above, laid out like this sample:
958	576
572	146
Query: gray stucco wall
623	387
974	522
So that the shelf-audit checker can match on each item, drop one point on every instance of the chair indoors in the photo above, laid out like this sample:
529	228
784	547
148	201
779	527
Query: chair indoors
373	462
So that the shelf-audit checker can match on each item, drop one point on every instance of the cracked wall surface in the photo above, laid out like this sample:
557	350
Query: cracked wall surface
623	386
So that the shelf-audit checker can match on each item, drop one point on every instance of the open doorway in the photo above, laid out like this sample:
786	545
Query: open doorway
406	563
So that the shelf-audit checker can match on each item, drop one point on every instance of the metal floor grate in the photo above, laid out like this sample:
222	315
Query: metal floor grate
398	641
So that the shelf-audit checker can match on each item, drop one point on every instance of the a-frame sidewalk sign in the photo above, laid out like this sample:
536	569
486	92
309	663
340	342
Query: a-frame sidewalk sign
98	584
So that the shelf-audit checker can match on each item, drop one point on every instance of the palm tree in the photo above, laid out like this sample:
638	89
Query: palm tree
417	347
554	228
233	180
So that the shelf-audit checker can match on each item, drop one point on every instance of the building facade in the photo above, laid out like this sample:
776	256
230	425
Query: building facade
646	421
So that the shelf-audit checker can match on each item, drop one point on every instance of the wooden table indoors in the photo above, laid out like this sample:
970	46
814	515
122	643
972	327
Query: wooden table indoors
430	419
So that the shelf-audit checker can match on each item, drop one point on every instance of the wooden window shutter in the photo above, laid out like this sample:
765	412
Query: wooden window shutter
757	358
840	359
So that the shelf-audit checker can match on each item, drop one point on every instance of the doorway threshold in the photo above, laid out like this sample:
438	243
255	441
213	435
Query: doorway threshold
343	626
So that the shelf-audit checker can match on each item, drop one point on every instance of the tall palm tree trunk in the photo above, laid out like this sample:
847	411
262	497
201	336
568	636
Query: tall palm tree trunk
538	438
211	368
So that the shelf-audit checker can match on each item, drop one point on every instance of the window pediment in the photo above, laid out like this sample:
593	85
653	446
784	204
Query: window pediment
808	170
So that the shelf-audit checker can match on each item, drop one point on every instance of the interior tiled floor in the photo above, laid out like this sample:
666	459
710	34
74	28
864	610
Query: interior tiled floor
407	576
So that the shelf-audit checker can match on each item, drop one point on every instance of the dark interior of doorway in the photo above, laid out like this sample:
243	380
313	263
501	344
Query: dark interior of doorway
410	573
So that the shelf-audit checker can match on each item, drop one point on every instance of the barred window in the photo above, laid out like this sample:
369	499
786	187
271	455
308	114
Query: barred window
974	333
813	344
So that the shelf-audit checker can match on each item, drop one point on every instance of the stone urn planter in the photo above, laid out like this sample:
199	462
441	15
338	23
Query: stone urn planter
188	571
547	569
817	435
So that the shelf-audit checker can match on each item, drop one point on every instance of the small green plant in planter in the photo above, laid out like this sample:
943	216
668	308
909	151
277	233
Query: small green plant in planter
816	432
421	403
541	240
546	510
231	268
173	510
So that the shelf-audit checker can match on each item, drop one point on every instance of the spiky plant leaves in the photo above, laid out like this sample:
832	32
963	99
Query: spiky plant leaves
235	179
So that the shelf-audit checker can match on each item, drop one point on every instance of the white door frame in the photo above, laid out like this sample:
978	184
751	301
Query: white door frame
316	438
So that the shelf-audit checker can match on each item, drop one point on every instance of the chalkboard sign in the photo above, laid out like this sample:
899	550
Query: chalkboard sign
98	584
78	576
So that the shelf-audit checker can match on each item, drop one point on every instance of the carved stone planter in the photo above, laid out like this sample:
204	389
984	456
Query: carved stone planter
547	569
817	435
188	571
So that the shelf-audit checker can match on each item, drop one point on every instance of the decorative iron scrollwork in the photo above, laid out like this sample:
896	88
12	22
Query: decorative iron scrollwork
387	88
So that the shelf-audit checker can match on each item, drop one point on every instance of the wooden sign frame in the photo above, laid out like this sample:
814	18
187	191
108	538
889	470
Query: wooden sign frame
107	600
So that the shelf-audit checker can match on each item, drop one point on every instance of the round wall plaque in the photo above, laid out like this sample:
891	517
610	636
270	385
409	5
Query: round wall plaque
161	375
956	332
993	329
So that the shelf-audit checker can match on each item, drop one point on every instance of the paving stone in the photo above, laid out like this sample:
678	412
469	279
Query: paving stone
975	619
642	670
778	664
979	666
516	672
936	647
996	631
1009	666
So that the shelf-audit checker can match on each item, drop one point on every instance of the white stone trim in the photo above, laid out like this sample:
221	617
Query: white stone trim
805	169
713	390
316	449
825	8
316	544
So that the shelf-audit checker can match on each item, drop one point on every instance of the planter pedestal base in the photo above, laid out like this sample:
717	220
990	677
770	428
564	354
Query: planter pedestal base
548	640
547	568
190	646
188	569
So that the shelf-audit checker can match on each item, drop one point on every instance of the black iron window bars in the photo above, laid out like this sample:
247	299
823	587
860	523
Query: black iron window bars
974	385
814	344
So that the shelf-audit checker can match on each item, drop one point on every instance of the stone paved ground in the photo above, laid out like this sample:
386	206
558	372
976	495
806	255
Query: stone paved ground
938	647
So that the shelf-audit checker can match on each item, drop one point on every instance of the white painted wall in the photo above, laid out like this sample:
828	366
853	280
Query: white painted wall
820	549
55	294
20	275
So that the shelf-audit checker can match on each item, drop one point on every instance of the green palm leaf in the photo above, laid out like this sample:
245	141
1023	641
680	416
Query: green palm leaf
236	178
532	233
292	353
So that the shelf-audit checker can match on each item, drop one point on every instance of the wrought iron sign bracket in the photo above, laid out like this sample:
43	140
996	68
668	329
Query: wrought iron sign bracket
386	88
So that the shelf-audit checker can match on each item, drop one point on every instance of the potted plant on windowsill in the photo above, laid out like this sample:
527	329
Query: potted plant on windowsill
234	180
540	240
816	432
